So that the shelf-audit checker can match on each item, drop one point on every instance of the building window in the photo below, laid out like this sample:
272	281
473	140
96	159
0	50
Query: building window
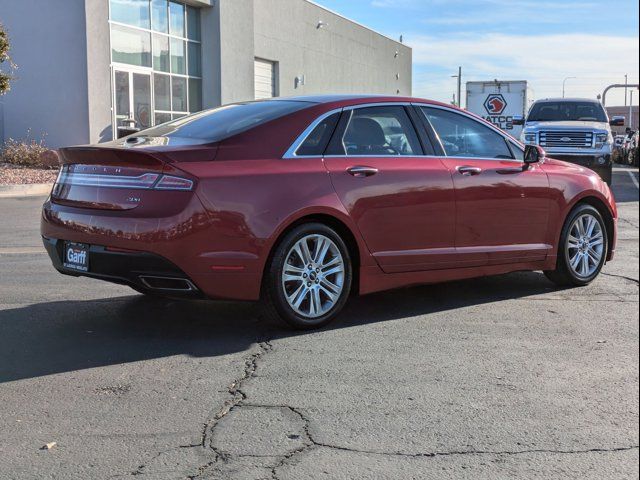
163	37
130	46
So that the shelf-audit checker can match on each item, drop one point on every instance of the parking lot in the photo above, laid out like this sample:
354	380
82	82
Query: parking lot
501	377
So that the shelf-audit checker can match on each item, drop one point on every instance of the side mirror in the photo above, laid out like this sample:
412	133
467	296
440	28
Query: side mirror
518	120
533	154
617	121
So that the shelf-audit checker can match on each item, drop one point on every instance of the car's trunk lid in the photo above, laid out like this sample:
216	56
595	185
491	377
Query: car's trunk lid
122	178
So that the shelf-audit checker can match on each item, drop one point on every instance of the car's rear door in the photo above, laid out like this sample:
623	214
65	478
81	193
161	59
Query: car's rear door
400	196
502	208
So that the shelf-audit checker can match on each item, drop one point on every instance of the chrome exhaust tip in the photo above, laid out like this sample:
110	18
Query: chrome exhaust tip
167	284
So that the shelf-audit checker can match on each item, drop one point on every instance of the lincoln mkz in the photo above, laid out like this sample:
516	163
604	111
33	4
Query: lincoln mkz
301	202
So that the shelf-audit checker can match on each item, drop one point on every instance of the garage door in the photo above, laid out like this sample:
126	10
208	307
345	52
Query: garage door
264	79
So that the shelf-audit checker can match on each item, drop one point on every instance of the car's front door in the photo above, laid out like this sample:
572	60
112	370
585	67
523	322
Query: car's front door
502	206
401	198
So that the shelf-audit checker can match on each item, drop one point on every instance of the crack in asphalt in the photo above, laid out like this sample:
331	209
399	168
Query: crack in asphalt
628	222
237	398
623	277
311	443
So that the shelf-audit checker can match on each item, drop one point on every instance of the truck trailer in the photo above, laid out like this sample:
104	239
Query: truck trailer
499	102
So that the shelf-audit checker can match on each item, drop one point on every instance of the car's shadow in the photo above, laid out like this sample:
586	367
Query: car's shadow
55	337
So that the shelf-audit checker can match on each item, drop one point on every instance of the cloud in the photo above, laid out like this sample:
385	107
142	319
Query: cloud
543	60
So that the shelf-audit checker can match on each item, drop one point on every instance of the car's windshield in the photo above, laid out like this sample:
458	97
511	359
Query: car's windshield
567	111
223	122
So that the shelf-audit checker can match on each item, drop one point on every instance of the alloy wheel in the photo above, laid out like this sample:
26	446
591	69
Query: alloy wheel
313	276
585	245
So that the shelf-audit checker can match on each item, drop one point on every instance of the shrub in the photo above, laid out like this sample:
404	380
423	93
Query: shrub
29	153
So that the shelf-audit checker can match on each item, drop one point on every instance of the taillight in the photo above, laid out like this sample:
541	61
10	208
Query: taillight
169	182
116	177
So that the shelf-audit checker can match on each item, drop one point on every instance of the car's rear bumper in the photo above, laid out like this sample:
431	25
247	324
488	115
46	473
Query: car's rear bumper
124	247
143	271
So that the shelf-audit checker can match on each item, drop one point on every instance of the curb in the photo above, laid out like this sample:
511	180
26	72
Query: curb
27	190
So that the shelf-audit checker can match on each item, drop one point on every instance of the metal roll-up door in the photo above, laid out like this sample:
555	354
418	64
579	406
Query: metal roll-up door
265	85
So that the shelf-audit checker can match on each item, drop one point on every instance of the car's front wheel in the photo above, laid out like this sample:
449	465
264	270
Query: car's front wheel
583	248
309	277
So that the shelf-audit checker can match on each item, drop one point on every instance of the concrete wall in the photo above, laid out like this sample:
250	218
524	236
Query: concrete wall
340	57
98	70
236	49
49	95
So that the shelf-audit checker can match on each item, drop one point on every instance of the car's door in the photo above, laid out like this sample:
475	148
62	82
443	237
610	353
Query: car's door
401	199
502	205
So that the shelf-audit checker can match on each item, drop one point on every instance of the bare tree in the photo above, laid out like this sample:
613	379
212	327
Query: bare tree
5	78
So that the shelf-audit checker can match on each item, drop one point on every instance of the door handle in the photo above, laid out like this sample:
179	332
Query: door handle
362	171
468	171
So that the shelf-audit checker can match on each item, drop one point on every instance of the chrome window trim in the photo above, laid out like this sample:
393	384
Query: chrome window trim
381	156
377	104
291	152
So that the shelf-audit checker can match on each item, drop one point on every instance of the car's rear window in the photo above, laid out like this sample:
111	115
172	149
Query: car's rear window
567	111
226	121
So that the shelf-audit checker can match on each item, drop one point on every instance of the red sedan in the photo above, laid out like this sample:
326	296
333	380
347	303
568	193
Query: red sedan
300	202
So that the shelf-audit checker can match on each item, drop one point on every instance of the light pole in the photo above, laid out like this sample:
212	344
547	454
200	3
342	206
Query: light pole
564	83
459	77
625	90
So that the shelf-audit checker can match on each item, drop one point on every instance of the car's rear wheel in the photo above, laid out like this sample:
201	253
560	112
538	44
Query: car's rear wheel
309	277
583	248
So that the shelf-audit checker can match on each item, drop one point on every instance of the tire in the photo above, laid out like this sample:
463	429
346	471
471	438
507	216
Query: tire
568	272
319	296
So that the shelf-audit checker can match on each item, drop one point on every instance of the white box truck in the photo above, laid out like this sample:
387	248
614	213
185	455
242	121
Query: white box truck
498	102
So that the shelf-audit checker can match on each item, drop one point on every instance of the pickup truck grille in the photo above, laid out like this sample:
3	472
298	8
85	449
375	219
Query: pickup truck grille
568	139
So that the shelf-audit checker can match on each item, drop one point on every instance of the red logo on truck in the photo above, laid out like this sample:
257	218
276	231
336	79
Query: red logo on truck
495	104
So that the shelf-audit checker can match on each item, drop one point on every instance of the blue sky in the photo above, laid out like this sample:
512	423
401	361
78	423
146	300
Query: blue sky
542	41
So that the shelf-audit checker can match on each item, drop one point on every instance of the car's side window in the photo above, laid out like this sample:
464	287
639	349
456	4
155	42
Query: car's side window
462	136
316	142
517	150
380	131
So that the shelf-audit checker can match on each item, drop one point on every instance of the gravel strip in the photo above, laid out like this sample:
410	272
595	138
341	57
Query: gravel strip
14	175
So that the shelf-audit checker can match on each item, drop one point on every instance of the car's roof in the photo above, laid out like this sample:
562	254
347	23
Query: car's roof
335	98
321	98
567	100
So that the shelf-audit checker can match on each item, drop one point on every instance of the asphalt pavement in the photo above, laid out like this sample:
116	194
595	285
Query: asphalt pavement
501	377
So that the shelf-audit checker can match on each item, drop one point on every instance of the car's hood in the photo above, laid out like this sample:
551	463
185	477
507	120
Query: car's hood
536	126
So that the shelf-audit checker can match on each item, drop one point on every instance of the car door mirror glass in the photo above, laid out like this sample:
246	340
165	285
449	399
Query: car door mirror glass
533	154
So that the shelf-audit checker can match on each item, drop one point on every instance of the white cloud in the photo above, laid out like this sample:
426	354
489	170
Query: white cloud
543	60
